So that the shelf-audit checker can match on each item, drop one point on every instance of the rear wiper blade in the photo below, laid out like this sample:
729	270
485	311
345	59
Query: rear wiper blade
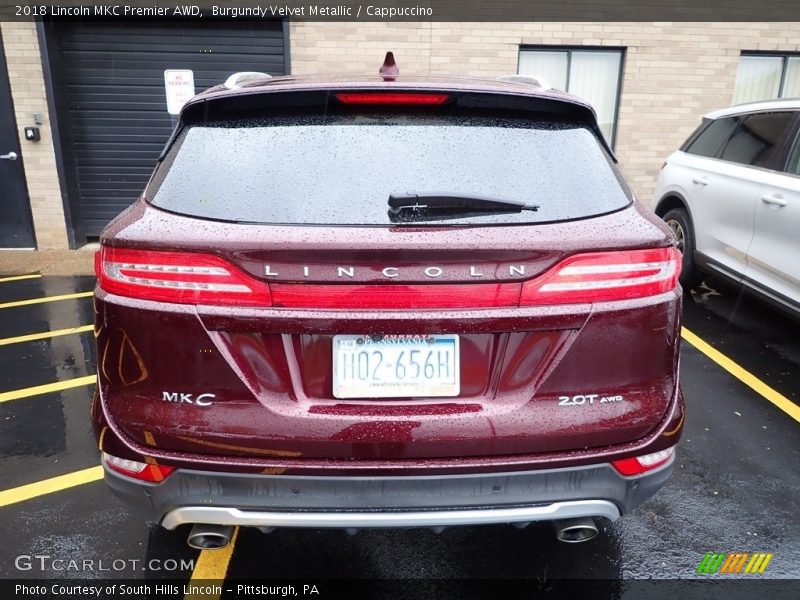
430	202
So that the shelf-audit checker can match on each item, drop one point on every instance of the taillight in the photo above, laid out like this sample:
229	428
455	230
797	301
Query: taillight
641	464
138	470
181	277
391	98
603	276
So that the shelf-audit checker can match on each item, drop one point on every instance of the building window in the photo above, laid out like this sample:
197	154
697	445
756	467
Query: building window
767	76
591	74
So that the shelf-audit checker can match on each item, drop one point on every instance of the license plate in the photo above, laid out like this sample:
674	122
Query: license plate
395	366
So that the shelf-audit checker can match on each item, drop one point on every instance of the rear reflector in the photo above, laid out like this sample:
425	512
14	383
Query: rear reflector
180	277
394	296
641	464
604	276
391	98
138	470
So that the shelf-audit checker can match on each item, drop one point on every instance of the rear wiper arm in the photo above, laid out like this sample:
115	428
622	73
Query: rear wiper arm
427	202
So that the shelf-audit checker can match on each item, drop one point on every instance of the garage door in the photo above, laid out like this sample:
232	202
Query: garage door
108	87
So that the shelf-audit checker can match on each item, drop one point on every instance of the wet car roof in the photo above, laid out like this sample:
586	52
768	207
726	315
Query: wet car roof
352	81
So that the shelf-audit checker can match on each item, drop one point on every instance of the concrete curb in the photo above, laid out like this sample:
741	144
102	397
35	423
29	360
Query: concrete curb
48	262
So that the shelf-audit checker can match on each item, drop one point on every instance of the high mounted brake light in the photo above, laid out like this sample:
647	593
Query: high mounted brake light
180	277
391	98
604	276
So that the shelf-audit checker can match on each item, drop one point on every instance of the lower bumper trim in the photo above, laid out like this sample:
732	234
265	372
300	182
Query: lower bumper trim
214	515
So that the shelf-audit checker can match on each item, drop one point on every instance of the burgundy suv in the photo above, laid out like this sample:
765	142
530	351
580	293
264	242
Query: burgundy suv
386	302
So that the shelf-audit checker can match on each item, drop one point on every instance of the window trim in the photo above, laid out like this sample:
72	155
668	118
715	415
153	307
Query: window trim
569	49
784	56
792	143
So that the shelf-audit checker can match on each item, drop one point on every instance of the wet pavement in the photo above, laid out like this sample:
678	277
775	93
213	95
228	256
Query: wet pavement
734	488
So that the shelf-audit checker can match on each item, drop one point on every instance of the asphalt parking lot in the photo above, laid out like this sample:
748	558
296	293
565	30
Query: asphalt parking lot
734	488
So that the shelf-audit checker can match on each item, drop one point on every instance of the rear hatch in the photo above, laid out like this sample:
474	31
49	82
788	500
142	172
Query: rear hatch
367	332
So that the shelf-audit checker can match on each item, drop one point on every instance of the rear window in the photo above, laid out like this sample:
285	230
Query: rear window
340	170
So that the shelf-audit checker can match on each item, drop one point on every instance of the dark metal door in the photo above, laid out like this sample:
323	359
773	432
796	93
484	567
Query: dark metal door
16	229
109	91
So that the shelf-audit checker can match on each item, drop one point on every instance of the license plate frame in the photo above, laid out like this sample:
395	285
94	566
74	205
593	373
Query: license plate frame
444	383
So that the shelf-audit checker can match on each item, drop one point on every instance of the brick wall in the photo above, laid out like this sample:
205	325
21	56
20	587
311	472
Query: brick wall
673	72
28	93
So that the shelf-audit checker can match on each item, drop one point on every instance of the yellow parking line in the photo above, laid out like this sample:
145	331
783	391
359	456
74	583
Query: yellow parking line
48	486
750	380
45	299
47	388
20	277
47	334
212	565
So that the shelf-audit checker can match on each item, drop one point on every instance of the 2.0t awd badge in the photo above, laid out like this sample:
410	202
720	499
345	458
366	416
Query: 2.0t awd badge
582	399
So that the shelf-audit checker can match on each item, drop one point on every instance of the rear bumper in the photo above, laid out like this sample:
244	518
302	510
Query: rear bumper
189	496
363	519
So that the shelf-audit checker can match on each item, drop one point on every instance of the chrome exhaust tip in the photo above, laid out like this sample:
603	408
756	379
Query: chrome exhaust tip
575	531
209	537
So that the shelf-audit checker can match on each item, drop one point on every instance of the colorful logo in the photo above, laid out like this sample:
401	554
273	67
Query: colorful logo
734	562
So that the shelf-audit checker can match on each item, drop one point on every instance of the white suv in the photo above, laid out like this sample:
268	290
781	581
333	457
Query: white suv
731	195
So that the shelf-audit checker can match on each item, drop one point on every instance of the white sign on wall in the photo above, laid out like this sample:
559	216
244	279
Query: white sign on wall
179	84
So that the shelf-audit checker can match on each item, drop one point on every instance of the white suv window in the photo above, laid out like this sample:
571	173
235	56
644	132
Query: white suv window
710	136
758	140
